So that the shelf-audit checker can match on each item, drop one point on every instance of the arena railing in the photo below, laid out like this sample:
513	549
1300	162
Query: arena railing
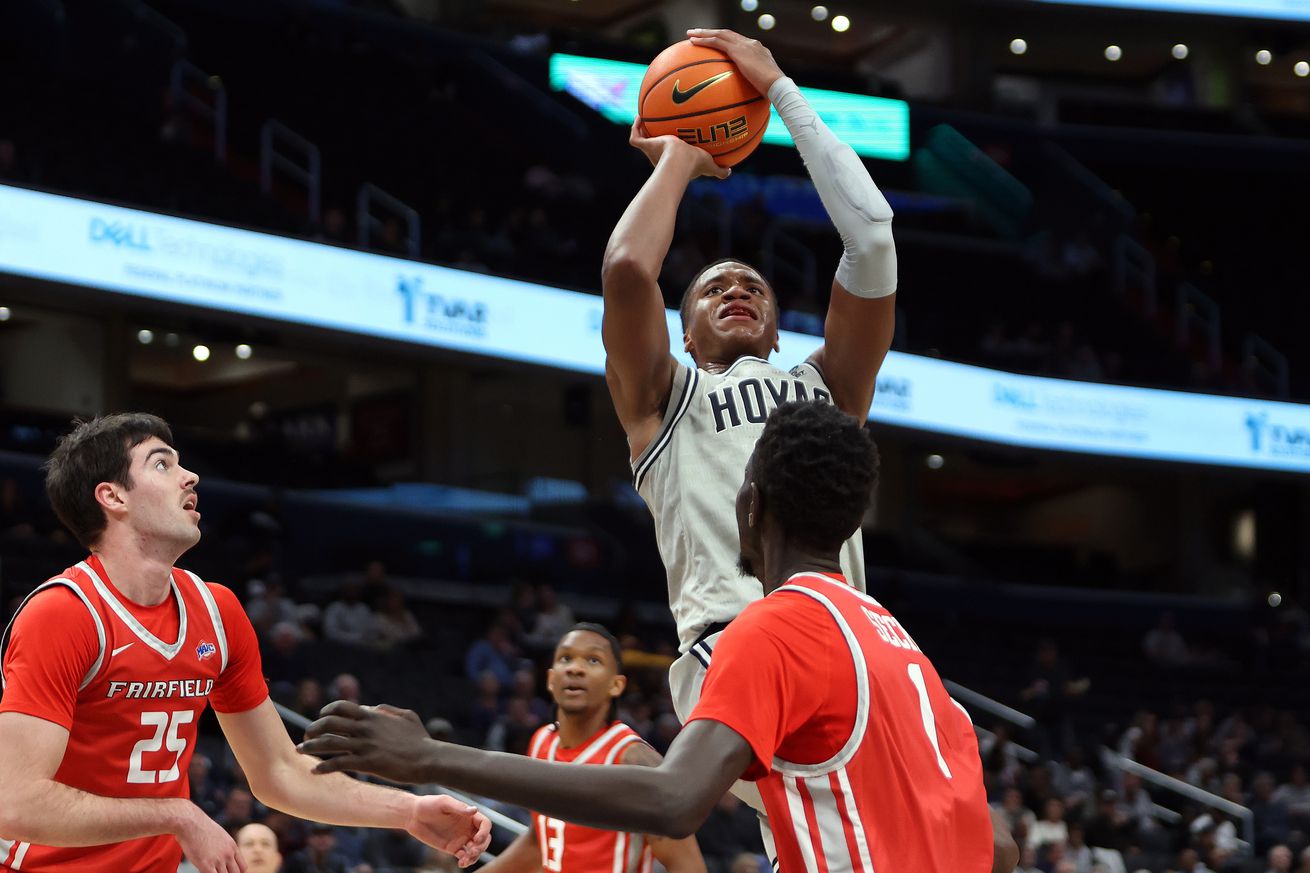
498	818
1186	789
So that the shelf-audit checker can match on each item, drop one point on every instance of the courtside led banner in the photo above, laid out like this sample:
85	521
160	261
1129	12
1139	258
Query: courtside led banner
1289	10
875	127
160	257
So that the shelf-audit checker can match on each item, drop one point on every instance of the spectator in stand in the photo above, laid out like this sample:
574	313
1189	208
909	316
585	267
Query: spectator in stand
1164	645
513	730
204	793
320	856
525	687
257	845
238	810
1074	782
269	606
1077	850
309	697
1051	828
346	687
1018	816
1135	802
1295	797
1049	696
1272	822
285	663
495	653
552	620
1139	741
348	619
1304	865
1111	827
1189	861
394	624
486	707
1280	860
731	829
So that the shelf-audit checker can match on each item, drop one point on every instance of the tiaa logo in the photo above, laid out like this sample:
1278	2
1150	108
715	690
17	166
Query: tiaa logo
119	234
205	651
1276	438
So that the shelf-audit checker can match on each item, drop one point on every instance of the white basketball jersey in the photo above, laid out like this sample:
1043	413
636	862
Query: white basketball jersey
689	476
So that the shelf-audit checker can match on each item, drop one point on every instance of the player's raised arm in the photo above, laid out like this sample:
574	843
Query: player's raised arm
675	856
670	800
862	310
282	779
638	365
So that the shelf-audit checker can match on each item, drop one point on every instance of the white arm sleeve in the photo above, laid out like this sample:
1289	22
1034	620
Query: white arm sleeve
857	208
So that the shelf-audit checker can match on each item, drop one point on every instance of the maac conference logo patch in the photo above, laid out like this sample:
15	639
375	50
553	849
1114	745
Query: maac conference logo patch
204	651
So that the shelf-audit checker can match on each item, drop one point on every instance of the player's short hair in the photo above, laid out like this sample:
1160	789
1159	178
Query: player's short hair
815	467
601	631
684	308
95	451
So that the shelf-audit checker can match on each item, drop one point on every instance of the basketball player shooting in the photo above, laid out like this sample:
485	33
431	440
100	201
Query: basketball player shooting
691	429
108	667
816	693
585	681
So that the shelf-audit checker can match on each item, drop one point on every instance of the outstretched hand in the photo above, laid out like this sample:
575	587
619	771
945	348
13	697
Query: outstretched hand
658	148
752	58
382	740
450	825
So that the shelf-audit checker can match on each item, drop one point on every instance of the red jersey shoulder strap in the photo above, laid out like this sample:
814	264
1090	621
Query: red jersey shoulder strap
68	582
107	596
825	591
183	579
625	740
539	747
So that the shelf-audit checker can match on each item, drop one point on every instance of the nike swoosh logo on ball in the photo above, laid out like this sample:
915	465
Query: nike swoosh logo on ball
680	96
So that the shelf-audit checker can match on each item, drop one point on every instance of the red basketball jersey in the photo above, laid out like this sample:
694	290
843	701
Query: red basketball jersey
133	720
864	761
572	848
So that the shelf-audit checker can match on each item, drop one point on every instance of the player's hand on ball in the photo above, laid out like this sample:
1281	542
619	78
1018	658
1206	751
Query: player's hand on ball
382	740
658	148
207	846
754	61
451	826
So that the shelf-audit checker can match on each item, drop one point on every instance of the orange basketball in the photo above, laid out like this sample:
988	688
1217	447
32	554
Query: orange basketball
698	95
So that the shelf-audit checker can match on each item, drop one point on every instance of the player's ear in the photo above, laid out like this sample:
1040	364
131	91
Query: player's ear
550	681
688	346
755	507
617	685
109	496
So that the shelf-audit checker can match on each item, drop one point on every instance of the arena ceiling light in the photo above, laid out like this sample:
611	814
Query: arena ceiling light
819	13
1264	57
766	21
750	5
1179	51
1302	69
145	336
841	23
1113	53
244	352
6	313
1018	46
200	352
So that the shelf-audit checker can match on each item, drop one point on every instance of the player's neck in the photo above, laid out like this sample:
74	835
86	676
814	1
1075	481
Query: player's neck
784	561
576	729
718	364
140	570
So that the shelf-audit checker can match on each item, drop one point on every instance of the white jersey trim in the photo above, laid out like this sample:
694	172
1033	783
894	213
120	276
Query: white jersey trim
597	744
622	744
215	618
168	650
95	616
852	744
691	379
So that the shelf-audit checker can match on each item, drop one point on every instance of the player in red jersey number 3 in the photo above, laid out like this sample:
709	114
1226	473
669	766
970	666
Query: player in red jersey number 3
108	667
815	692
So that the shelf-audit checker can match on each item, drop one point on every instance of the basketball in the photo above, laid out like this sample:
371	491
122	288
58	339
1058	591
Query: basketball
697	94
